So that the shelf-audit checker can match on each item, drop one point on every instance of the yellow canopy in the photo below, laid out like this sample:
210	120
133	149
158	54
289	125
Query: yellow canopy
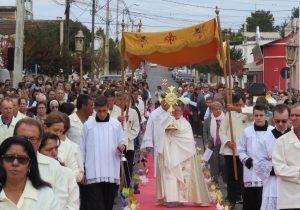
191	45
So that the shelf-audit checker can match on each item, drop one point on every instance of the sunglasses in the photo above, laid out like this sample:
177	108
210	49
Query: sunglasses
20	158
282	121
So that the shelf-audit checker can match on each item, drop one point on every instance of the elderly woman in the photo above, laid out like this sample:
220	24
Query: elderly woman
53	106
23	189
49	147
212	138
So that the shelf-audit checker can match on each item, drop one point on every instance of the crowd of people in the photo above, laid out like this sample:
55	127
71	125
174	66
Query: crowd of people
62	147
261	140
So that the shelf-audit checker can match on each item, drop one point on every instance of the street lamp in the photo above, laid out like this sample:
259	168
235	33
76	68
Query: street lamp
79	47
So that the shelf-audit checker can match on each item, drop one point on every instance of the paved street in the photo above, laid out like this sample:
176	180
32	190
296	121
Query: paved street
155	74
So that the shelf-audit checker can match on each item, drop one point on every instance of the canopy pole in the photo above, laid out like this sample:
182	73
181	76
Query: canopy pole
217	11
123	72
229	66
129	100
122	172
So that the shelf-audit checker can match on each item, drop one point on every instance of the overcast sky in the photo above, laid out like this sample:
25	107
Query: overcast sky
158	15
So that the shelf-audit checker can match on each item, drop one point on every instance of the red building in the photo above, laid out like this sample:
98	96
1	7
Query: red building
273	61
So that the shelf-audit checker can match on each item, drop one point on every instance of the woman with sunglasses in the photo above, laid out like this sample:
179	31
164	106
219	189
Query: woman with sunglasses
49	147
23	189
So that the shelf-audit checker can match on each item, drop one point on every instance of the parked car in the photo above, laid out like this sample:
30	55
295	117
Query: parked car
110	78
184	77
153	65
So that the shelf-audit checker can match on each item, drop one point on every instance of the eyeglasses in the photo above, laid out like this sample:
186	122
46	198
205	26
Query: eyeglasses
20	158
282	121
33	140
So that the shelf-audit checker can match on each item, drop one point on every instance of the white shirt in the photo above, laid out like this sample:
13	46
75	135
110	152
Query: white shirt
6	132
207	113
72	203
115	112
133	128
20	116
239	123
31	199
263	168
74	132
101	159
141	106
69	155
51	171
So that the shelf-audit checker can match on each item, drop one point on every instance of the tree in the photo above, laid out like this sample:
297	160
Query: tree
236	60
236	38
42	48
295	12
114	53
261	18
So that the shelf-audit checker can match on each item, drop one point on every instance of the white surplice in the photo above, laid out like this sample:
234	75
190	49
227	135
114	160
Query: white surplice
101	159
247	148
179	177
155	130
263	168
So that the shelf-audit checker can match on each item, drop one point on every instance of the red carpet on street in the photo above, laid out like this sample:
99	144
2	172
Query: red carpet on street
147	197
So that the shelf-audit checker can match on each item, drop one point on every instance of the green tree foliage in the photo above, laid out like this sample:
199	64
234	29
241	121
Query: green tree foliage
114	53
42	48
281	28
236	60
261	18
236	38
114	56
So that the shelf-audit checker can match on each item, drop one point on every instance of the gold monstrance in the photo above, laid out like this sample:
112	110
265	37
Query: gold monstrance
171	99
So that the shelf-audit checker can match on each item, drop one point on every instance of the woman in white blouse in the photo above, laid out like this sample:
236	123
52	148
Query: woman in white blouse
49	147
67	151
23	189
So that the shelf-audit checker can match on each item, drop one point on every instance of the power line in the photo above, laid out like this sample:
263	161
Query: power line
227	9
58	3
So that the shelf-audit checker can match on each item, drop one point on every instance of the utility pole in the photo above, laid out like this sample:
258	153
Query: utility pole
106	47
132	25
19	44
117	22
61	35
66	29
93	38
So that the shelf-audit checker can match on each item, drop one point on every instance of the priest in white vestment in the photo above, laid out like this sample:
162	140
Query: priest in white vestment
179	176
264	167
155	130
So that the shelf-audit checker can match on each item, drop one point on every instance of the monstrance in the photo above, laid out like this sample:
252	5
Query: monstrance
171	99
